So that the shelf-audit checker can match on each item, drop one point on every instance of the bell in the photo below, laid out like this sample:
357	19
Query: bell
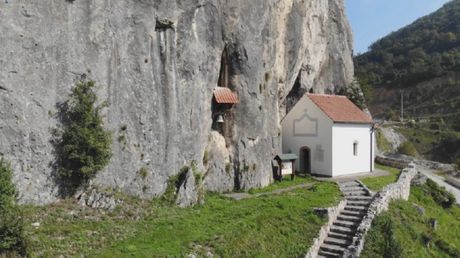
220	119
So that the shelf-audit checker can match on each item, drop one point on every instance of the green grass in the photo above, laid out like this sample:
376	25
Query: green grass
269	226
411	231
377	183
285	182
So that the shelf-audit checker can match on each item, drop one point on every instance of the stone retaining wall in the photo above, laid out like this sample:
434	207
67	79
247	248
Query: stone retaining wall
380	202
392	162
332	214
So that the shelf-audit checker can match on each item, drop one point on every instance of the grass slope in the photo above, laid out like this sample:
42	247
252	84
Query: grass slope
284	183
377	183
404	231
270	226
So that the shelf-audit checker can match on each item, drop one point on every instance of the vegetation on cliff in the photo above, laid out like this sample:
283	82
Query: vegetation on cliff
83	146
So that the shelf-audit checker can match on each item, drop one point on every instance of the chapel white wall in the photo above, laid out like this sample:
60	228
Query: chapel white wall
343	137
306	133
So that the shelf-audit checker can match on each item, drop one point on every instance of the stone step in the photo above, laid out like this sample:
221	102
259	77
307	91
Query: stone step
350	218
337	241
332	248
351	188
358	203
326	254
353	183
355	208
342	230
352	213
355	193
344	223
359	197
340	236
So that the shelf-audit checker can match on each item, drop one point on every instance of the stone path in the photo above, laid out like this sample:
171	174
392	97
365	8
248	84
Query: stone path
242	196
345	178
344	228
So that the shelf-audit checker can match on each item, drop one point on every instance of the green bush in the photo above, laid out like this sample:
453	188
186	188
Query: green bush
8	192
83	145
407	148
439	194
12	239
457	163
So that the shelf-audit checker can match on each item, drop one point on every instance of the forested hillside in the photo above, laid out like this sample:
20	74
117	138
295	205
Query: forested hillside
428	48
421	63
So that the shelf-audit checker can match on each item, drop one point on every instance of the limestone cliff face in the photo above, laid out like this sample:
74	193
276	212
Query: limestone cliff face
156	63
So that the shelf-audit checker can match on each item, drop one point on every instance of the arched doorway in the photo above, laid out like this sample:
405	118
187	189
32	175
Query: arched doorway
305	160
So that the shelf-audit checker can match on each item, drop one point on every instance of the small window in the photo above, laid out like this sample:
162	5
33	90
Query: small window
355	149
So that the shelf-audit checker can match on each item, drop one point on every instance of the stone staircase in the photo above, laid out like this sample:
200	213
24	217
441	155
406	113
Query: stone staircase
344	227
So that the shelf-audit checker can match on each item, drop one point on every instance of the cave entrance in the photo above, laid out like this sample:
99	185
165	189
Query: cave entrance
223	100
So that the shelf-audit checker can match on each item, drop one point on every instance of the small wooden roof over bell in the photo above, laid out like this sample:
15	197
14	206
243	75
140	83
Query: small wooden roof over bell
224	95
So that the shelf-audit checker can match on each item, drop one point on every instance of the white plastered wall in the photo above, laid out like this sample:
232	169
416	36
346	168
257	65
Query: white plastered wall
344	160
307	125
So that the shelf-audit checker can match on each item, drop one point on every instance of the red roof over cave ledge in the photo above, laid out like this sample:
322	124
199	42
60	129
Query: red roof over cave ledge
224	95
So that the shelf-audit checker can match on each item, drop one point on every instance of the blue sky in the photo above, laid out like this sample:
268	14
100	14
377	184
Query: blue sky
373	19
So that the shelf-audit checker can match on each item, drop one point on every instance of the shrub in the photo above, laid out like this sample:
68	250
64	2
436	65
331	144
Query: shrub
205	158
12	238
457	163
228	167
83	146
8	192
407	148
143	172
440	195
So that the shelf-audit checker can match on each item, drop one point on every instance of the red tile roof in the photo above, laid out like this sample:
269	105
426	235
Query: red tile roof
340	109
225	96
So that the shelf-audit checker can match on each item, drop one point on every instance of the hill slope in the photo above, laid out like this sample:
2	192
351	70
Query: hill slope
423	59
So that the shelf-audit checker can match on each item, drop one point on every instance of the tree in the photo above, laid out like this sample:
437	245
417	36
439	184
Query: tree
12	238
83	146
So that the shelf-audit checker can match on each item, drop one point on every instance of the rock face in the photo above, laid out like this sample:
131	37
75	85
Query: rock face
92	198
187	194
157	63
